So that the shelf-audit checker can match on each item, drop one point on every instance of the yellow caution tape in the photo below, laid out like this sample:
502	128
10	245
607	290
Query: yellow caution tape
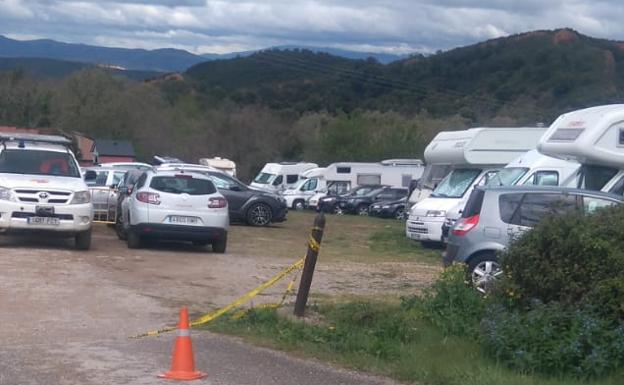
313	244
238	302
240	314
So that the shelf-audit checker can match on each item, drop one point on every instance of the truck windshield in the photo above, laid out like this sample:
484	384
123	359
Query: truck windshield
265	178
508	176
37	162
595	177
456	183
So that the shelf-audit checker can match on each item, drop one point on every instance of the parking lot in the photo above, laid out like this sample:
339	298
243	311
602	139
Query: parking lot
67	314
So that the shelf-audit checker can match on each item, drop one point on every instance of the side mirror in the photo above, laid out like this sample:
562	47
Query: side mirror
235	188
90	175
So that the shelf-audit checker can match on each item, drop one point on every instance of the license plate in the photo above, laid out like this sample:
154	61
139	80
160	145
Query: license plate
48	221
183	220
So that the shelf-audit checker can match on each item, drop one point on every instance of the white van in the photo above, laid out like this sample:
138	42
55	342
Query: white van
277	177
476	156
594	137
338	178
223	164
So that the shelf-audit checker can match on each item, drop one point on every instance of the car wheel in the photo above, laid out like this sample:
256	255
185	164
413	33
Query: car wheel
219	245
83	240
259	214
362	210
483	271
400	213
133	239
337	210
298	205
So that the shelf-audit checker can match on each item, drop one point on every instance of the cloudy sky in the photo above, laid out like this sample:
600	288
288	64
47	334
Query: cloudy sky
221	26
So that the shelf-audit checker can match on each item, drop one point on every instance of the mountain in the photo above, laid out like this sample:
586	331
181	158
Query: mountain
532	76
160	60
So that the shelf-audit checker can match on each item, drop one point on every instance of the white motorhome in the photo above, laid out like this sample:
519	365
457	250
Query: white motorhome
594	137
222	164
475	155
338	178
277	177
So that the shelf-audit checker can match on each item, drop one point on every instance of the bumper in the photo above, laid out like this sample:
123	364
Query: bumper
450	254
280	214
428	229
179	232
72	219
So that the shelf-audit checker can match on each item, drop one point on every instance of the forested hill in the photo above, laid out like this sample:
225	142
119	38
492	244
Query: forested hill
528	77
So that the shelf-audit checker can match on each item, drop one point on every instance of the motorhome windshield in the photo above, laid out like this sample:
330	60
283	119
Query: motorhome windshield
36	162
593	177
433	174
264	178
508	176
456	183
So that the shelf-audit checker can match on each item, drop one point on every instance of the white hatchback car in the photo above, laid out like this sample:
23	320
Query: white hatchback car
175	205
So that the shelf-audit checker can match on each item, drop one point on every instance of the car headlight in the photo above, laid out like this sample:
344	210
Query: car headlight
385	206
6	194
329	199
81	197
436	213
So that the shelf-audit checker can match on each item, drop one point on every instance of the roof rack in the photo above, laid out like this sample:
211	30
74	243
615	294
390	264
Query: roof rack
18	137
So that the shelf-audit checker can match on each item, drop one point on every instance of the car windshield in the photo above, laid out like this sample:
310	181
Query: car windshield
265	178
182	184
37	162
508	176
456	183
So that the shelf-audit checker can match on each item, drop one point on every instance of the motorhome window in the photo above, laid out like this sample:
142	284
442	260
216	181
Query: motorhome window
310	185
433	174
36	162
546	178
368	179
264	178
508	176
595	177
338	187
456	183
487	178
278	181
290	179
343	170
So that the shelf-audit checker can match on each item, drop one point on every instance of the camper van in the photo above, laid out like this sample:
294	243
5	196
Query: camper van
277	177
475	155
338	178
222	164
594	137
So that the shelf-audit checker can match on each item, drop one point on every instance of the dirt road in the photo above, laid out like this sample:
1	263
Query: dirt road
66	316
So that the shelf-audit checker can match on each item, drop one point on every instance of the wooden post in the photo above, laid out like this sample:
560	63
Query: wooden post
314	245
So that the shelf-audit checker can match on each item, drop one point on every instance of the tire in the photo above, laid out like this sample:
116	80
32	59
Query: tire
399	214
362	210
259	214
298	205
119	229
219	245
83	240
133	239
483	270
337	210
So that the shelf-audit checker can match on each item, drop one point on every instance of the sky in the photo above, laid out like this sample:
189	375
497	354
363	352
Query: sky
222	26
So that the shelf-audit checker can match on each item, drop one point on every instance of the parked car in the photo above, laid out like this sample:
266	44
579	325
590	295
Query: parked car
246	204
104	191
124	189
393	209
493	216
176	205
331	203
360	204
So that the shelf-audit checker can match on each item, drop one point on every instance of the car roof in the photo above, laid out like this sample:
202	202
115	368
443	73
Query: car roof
42	146
549	189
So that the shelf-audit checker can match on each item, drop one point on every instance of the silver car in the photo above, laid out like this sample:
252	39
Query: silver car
493	216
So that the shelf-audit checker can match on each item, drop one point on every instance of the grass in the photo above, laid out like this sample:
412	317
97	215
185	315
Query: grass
387	339
347	238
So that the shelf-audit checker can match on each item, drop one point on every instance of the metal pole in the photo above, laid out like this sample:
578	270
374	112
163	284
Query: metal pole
314	245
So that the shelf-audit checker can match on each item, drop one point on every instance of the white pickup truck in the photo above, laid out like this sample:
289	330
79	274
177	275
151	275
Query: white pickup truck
42	190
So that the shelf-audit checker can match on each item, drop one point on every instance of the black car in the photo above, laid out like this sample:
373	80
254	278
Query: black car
395	209
249	205
360	204
332	202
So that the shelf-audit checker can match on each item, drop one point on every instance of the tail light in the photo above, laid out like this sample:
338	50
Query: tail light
464	225
217	203
148	197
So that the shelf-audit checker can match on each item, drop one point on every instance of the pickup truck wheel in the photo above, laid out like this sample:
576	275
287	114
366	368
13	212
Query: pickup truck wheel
83	240
298	205
483	271
134	239
219	245
259	214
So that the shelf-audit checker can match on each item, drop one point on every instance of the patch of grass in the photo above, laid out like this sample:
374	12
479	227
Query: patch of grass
387	339
390	239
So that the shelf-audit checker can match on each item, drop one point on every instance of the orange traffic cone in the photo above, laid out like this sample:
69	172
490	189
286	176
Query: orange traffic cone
183	363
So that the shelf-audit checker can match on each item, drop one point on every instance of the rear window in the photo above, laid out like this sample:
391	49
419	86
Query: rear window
182	184
473	206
